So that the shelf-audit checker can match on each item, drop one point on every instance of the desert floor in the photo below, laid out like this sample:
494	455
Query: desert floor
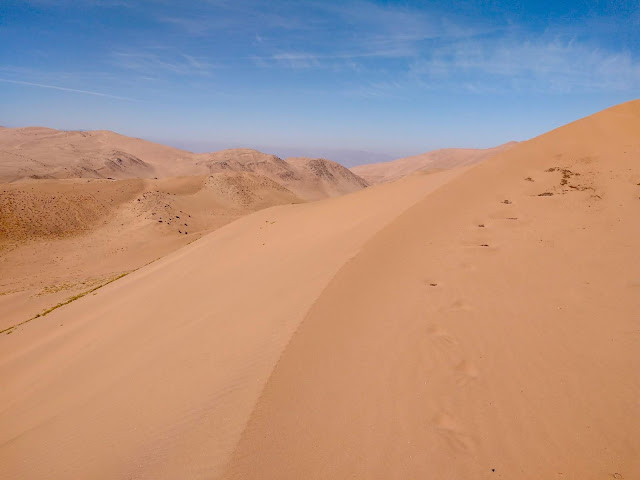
479	322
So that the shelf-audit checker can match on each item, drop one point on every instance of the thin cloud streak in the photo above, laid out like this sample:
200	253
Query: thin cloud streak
65	89
152	64
550	66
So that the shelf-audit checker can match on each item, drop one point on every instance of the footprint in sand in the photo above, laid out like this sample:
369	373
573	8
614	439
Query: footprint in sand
452	436
460	304
441	335
469	266
466	373
443	343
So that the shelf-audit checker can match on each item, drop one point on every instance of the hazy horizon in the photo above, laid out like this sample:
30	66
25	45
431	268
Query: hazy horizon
386	78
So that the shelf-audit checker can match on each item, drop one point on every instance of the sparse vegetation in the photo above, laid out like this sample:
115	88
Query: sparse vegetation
62	304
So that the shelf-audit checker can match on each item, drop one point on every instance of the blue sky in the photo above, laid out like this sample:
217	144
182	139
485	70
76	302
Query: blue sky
312	77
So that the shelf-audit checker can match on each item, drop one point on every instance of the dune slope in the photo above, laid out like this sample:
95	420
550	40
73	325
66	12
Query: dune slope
59	238
491	331
78	208
155	375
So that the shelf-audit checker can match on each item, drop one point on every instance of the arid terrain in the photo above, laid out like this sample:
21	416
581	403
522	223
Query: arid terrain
474	322
427	162
78	209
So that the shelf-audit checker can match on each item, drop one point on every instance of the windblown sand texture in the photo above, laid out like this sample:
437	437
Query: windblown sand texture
473	323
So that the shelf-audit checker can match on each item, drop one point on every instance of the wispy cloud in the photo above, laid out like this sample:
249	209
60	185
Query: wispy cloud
397	48
191	26
237	17
83	3
168	61
364	47
40	75
552	65
333	61
376	90
65	89
364	31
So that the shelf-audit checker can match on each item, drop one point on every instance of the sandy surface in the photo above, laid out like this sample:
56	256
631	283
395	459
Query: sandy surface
445	158
474	338
80	208
60	238
473	323
155	375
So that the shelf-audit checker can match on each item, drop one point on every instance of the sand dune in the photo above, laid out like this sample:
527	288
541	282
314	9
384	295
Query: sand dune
491	331
72	200
437	159
199	330
59	238
473	323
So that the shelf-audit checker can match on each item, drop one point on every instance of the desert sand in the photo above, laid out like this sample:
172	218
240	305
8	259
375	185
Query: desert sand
60	238
201	328
78	209
434	160
479	322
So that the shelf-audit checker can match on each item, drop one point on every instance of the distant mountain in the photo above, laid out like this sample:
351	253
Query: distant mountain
347	157
437	159
44	153
309	178
36	152
326	178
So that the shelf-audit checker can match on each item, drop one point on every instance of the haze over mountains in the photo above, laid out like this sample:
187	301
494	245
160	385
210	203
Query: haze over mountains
430	161
41	153
344	156
454	323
